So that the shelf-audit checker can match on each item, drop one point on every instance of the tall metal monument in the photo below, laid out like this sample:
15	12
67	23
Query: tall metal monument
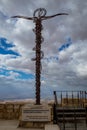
38	16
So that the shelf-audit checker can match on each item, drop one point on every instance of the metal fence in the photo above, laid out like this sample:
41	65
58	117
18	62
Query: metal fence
70	109
71	98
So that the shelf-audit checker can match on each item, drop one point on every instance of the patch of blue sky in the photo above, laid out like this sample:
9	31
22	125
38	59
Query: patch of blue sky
21	74
51	59
4	72
5	47
65	45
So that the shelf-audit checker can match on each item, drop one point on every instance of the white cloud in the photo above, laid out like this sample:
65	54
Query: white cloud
70	70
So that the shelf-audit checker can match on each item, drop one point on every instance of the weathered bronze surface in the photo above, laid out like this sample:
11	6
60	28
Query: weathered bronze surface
38	16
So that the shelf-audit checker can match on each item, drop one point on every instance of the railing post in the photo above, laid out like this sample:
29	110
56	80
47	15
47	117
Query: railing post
86	115
78	98
72	99
67	97
54	114
75	121
61	99
63	119
55	97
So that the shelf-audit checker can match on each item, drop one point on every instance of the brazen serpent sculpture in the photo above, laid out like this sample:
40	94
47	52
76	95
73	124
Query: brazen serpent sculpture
38	16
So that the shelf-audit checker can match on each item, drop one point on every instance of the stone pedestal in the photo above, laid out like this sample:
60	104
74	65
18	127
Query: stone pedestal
35	116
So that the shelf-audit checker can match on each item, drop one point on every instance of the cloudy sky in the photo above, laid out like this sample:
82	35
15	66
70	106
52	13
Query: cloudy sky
64	66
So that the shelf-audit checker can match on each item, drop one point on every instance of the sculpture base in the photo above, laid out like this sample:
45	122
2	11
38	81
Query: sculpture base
28	124
35	116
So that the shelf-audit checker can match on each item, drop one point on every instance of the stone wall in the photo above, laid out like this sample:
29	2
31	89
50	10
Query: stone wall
12	110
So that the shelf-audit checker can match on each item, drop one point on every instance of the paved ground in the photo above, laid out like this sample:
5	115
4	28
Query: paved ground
12	125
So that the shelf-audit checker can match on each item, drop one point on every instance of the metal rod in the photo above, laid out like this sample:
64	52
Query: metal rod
72	99
61	99
55	96
78	97
67	97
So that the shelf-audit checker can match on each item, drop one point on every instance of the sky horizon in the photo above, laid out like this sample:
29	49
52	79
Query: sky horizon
64	66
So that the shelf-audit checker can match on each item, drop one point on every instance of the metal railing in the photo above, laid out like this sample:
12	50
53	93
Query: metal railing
70	98
70	107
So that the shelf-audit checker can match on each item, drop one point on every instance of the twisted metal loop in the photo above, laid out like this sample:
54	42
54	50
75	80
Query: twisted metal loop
40	12
34	30
42	54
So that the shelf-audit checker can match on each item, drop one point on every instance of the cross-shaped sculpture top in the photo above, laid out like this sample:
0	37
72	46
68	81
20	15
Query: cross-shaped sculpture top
38	15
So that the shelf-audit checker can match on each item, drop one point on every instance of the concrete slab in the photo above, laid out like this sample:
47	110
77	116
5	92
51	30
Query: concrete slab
52	127
12	125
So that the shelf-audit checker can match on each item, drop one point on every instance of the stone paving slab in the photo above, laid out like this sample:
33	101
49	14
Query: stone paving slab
12	125
52	127
71	126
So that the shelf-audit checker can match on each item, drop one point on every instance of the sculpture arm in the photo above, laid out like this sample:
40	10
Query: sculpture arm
24	17
48	17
